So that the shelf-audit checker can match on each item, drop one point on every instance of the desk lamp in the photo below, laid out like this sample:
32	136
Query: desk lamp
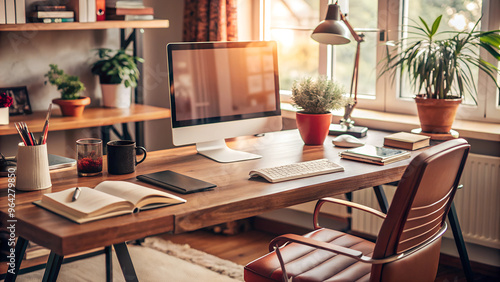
334	30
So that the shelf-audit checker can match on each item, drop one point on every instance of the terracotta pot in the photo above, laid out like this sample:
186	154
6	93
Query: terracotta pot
72	108
313	128
437	115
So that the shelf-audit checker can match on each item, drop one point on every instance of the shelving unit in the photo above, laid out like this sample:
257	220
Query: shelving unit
92	117
105	118
84	26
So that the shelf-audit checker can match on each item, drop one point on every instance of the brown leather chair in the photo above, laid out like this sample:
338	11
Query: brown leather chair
408	243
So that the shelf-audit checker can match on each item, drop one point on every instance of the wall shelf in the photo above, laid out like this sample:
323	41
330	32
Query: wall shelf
84	26
92	117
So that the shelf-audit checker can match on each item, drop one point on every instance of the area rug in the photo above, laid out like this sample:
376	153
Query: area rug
155	260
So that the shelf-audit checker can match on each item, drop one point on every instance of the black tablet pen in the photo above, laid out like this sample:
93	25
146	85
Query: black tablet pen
76	194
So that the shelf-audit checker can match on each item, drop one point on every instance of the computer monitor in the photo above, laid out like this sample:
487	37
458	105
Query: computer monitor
222	90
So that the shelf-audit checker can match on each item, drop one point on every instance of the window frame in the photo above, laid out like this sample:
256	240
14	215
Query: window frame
386	91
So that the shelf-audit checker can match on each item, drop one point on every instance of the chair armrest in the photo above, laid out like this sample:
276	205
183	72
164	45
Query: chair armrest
344	203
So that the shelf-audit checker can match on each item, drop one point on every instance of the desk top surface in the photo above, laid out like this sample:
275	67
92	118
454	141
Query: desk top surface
235	197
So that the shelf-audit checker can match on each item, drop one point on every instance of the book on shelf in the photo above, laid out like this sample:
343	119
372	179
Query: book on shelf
124	3
48	7
2	12
130	11
80	9
130	17
10	11
20	12
408	141
52	14
375	155
107	199
52	20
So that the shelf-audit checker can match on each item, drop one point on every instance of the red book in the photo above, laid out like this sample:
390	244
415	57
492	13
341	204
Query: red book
100	8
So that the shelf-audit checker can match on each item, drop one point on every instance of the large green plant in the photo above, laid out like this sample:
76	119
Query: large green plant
443	68
70	86
116	66
318	96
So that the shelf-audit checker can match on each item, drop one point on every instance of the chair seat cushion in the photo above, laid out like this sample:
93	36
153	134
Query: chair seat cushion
305	263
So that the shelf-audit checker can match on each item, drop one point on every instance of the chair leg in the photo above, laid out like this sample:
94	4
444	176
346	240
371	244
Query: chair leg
125	262
21	245
459	241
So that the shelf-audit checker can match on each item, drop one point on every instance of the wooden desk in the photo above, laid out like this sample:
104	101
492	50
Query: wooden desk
235	197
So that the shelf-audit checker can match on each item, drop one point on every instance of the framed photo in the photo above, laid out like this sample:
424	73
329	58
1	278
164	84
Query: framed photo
21	102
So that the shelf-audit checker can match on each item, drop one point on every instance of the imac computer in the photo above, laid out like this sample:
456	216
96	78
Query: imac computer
222	90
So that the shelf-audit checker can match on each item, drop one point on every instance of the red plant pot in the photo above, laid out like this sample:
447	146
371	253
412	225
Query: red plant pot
313	128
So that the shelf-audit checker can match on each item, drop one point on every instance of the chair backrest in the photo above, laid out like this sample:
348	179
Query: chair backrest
417	212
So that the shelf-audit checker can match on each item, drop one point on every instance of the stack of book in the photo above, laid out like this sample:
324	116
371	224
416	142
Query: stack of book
128	10
51	13
375	155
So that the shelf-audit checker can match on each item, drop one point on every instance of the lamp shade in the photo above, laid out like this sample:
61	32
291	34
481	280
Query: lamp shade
332	30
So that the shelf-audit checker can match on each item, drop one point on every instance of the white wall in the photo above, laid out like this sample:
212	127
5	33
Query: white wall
158	132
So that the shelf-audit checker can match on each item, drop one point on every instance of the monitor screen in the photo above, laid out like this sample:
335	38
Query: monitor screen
215	84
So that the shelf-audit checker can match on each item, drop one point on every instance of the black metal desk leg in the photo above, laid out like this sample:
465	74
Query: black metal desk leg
109	263
21	245
125	262
381	198
53	266
459	241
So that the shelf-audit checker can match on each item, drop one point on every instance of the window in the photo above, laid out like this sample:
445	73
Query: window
290	22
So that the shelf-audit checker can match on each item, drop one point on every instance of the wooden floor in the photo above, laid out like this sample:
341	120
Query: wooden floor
247	246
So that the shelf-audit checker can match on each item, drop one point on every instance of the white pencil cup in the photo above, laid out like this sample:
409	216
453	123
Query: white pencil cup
32	168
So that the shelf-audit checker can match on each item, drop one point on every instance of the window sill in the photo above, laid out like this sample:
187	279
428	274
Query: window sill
399	122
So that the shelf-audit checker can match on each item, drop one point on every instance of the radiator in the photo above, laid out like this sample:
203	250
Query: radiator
477	204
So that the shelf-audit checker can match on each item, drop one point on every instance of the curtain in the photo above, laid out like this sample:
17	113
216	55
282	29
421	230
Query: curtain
210	20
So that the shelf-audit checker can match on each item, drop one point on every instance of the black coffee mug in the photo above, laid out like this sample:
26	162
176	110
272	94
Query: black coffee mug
122	156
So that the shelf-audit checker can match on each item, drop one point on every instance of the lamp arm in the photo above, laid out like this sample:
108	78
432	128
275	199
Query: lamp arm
354	34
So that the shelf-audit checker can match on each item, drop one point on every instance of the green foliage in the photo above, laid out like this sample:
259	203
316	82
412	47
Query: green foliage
116	66
70	86
443	68
318	96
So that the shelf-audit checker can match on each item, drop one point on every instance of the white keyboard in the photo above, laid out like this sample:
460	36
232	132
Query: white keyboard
297	170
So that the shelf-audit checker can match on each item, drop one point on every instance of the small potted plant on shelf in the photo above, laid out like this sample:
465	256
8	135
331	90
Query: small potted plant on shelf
118	73
440	64
5	102
316	98
70	86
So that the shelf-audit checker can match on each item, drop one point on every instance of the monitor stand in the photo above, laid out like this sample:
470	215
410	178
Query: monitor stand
220	152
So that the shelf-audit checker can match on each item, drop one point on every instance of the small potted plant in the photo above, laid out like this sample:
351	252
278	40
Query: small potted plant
316	98
118	73
70	86
5	102
440	65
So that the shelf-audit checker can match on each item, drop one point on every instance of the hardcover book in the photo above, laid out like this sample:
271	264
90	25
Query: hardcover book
375	155
408	141
107	199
